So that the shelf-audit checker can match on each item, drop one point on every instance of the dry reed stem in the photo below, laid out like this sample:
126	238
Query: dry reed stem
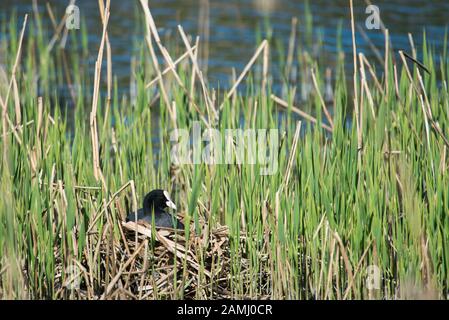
412	45
207	99
114	196
425	106
193	76
108	62
365	85
373	75
348	289
52	16
93	115
12	83
152	32
323	104
435	125
292	156
346	261
169	68
16	128
162	88
244	72
360	132
58	30
169	60
396	82
354	53
266	54
296	110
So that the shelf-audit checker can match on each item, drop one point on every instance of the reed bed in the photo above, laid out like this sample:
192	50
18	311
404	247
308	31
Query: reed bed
362	175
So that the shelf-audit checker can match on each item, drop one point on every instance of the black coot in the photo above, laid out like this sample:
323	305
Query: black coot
156	202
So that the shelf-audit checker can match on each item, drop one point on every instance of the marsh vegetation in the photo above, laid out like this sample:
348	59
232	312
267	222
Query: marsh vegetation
361	180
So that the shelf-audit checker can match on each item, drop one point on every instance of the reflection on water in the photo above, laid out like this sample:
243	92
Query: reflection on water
229	27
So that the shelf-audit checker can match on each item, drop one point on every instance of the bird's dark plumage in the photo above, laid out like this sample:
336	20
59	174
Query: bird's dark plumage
156	202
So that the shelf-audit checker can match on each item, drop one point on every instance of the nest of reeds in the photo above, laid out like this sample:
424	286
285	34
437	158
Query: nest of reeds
147	264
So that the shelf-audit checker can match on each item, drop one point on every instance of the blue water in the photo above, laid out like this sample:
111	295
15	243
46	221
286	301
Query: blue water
231	36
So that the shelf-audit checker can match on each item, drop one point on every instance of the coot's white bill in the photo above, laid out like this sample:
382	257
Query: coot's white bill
169	202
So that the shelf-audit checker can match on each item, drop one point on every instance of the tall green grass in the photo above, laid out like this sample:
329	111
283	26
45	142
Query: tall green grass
374	191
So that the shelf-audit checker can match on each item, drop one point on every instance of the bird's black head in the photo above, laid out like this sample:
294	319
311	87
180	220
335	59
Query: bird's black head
156	201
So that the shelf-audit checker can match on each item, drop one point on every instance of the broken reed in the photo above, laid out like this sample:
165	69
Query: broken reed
353	189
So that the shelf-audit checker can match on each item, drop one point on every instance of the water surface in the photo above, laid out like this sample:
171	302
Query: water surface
229	27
